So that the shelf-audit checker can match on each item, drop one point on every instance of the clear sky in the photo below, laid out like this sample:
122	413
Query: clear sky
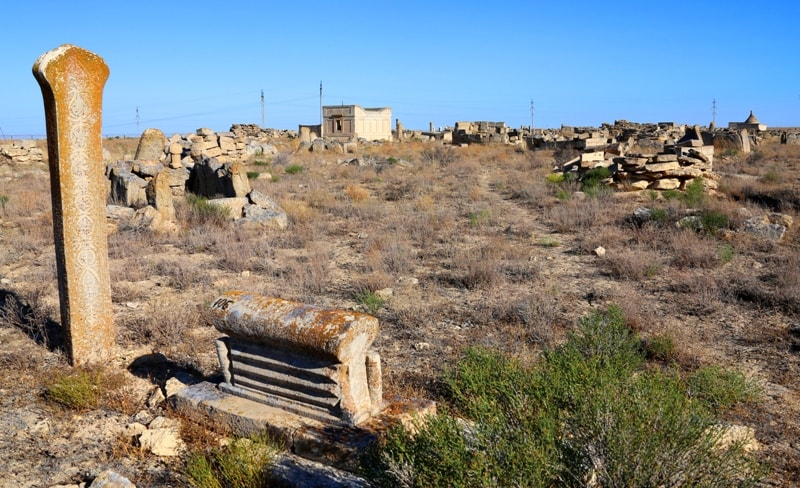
186	65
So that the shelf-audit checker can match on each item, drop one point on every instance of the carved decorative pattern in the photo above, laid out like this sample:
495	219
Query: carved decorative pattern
83	220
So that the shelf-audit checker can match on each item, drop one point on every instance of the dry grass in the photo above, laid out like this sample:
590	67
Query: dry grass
460	236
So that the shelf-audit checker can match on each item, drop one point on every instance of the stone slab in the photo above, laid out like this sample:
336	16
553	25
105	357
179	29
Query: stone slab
333	445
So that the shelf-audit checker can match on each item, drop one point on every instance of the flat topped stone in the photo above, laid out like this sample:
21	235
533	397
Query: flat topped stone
274	321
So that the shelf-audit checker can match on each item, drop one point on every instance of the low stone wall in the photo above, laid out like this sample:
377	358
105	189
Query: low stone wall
669	169
17	156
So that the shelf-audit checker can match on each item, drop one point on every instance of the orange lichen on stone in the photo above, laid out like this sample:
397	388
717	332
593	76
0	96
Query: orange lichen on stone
72	81
267	320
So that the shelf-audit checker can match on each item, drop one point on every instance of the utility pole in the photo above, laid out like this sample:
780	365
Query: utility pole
320	109
137	120
533	113
714	112
262	108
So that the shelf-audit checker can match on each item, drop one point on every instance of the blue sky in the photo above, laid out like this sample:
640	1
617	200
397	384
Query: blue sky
186	65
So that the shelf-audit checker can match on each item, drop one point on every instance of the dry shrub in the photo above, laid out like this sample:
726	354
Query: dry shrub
476	193
574	214
31	313
243	249
376	280
298	211
181	274
125	291
477	268
424	203
398	257
635	263
309	273
356	193
530	188
688	249
700	289
607	236
28	201
537	312
119	394
164	322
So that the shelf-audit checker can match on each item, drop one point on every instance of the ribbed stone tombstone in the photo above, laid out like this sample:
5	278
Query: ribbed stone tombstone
72	81
308	360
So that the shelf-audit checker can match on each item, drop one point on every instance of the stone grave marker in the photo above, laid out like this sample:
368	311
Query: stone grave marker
72	81
308	360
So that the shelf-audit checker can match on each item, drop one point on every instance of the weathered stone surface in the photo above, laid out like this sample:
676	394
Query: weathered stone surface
72	81
761	226
234	205
162	441
666	166
264	217
240	186
589	159
119	212
339	334
317	145
147	168
111	479
128	189
151	145
665	158
291	471
666	184
258	198
683	172
159	195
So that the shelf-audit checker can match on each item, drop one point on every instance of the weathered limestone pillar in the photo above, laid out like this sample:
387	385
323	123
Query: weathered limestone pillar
399	130
72	81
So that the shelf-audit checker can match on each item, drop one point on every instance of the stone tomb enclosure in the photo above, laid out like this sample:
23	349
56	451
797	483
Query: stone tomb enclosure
311	361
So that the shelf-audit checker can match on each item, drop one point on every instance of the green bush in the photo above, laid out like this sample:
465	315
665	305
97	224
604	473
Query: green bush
712	222
293	169
586	412
251	175
370	301
660	348
671	194
725	253
555	178
203	212
479	218
76	390
592	178
721	388
659	215
694	193
244	463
